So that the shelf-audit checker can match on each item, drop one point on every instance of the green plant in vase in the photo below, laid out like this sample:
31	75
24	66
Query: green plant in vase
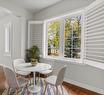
33	55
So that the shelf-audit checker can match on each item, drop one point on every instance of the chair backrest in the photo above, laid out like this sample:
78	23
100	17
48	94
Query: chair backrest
1	70
2	78
11	78
60	75
16	62
1	73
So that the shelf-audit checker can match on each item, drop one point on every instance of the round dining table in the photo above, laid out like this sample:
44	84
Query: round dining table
37	68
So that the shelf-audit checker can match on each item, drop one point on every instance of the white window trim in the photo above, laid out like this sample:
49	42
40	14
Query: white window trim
94	64
45	48
8	52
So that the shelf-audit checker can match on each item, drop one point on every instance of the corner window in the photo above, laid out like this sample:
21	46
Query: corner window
63	37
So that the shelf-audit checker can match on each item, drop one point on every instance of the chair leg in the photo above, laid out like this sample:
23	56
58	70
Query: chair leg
17	91
56	90
39	78
8	91
27	89
35	81
36	78
30	80
61	89
45	89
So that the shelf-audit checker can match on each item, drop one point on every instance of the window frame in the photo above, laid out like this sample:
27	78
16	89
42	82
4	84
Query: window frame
62	27
7	49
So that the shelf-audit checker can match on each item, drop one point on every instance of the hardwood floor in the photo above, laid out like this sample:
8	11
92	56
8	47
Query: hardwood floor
71	89
75	90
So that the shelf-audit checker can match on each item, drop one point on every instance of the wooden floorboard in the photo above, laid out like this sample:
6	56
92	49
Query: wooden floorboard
75	90
71	89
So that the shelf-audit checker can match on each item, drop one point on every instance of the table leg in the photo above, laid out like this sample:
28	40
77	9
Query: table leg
34	88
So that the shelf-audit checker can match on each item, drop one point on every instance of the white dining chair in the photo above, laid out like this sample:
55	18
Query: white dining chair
50	71
16	62
56	79
45	73
16	83
25	74
3	83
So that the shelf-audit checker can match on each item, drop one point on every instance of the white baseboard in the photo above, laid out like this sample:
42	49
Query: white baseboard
98	90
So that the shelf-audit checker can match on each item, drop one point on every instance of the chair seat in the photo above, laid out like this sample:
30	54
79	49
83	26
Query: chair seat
22	73
22	81
3	85
51	80
46	72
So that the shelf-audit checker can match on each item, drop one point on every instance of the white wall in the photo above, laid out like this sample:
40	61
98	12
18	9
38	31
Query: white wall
15	9
19	12
62	8
14	41
82	75
4	59
20	32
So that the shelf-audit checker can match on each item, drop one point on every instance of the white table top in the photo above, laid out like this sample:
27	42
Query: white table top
29	67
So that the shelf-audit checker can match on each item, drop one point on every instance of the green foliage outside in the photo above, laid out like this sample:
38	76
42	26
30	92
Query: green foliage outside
53	36
72	37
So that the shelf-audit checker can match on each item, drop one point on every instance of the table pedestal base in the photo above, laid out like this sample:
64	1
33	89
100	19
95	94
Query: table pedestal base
34	89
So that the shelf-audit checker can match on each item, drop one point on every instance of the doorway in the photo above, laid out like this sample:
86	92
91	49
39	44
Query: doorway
10	37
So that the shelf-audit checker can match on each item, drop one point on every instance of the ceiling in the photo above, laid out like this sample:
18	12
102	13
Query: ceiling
3	12
35	5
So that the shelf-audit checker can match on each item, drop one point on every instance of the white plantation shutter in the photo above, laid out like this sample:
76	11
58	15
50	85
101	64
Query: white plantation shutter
35	29
94	32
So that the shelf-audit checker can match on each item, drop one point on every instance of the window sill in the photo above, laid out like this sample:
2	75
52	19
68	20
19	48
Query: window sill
68	60
94	64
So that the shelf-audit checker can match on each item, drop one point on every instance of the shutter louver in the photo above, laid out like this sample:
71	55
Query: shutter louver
94	33
35	34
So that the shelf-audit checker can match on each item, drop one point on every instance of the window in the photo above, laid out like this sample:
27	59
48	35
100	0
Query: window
53	38
63	37
72	37
7	38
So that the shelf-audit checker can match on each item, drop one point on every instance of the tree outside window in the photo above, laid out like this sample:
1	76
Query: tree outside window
72	37
71	34
53	38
